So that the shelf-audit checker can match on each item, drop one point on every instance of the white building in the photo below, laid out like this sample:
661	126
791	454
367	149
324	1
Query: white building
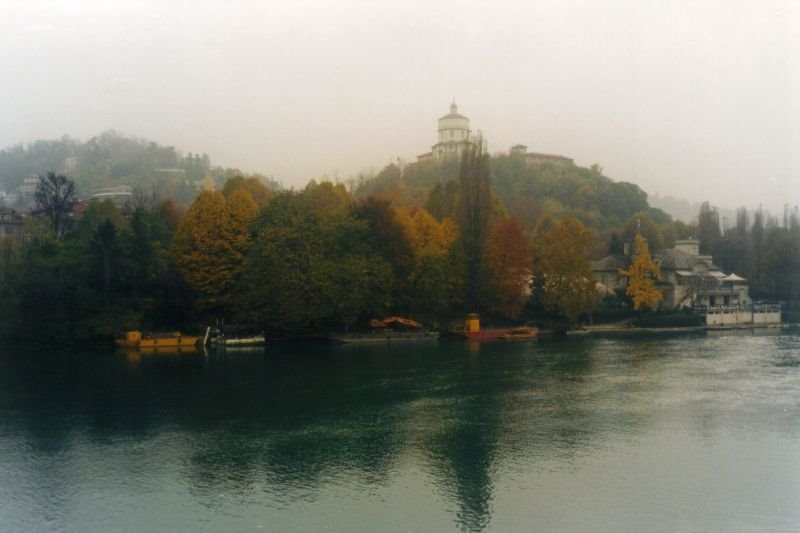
453	134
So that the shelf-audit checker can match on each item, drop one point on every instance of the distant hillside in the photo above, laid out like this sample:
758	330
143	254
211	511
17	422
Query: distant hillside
111	159
529	191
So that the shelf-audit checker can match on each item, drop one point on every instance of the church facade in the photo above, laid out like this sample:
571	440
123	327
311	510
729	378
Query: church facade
453	134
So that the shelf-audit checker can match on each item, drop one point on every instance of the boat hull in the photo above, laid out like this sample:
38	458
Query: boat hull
386	336
485	335
257	340
135	339
521	334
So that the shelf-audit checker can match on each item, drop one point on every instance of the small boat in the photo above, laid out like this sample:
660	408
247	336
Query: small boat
236	335
172	339
524	333
472	330
390	329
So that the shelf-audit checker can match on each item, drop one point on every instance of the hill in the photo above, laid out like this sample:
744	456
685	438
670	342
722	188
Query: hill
528	191
111	159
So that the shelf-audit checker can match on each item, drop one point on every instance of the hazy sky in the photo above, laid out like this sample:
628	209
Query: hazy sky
696	99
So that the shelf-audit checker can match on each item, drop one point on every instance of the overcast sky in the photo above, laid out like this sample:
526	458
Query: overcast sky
695	99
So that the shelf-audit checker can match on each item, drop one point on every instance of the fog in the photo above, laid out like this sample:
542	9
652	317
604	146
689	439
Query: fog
694	99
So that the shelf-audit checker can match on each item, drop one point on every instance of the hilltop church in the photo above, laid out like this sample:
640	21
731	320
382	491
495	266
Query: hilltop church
454	135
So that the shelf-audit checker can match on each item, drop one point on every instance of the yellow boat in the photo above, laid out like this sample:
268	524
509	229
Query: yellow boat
172	339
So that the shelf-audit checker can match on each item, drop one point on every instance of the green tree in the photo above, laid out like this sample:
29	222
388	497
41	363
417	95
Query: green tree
642	276
563	279
473	217
708	231
643	223
312	266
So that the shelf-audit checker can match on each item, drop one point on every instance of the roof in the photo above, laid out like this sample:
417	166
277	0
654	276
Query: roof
534	155
453	115
610	262
680	260
733	277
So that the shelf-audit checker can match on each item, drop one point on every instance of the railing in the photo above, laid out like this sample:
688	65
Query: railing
754	308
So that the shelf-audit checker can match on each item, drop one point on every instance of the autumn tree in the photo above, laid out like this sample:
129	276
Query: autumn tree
432	281
510	258
205	251
563	279
642	276
55	196
258	191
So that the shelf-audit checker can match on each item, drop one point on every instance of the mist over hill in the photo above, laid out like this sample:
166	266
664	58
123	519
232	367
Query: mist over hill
110	159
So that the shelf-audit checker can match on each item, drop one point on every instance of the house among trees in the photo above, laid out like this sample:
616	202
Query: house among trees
10	223
691	280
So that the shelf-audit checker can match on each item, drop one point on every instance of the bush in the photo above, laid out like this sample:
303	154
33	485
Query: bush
672	319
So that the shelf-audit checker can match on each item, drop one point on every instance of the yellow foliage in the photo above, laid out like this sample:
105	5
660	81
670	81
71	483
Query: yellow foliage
642	276
425	233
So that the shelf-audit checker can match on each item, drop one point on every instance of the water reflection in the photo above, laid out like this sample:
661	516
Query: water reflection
290	423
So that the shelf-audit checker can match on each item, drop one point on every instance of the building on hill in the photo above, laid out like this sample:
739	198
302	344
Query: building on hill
120	196
533	158
453	134
28	189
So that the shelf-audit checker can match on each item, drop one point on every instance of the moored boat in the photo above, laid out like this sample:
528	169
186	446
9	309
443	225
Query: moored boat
524	333
473	332
390	329
236	335
172	339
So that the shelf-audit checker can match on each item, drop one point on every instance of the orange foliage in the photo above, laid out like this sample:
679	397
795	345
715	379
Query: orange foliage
510	258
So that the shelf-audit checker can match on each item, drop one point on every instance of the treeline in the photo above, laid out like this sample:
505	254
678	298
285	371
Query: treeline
293	262
322	258
761	248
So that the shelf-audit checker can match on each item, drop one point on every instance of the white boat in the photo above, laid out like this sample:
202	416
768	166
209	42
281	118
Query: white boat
236	335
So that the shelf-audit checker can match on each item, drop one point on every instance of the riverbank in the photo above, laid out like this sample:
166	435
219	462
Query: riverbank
627	328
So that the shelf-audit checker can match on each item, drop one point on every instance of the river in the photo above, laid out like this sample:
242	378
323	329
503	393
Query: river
653	433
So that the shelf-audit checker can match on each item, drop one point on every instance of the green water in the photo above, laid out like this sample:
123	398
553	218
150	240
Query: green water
659	433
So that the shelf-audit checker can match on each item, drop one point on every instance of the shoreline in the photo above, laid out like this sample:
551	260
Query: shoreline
621	330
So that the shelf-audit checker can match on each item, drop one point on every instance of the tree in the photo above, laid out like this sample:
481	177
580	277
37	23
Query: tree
510	259
205	251
708	231
473	218
642	276
311	269
563	279
643	223
432	280
55	196
258	192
